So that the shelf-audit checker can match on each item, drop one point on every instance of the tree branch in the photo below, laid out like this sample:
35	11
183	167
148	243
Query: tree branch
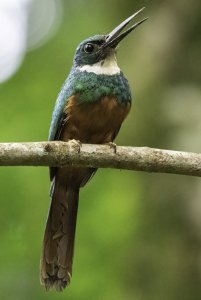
57	154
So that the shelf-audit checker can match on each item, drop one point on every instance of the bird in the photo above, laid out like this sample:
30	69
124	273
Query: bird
90	108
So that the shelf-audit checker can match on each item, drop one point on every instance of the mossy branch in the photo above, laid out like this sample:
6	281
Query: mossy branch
100	156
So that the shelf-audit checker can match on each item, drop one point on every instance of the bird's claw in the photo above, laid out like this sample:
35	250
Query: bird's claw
76	144
112	146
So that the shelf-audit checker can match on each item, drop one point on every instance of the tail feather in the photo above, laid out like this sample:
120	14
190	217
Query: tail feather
58	244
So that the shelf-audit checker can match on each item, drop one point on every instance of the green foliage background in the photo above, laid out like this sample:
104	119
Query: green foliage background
138	235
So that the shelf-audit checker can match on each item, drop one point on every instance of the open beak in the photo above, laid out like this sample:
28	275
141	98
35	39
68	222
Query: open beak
115	36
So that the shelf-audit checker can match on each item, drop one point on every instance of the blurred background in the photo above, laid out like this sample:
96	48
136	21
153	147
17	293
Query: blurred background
138	235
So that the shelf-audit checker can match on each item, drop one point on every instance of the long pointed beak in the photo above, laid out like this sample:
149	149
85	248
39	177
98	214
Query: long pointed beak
115	36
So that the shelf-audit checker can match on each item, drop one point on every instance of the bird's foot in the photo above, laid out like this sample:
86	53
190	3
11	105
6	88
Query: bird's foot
112	146
76	144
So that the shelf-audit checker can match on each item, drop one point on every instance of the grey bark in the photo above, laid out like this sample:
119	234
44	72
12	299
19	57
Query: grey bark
100	156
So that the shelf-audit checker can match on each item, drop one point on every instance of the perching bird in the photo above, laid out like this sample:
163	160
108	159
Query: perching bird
91	106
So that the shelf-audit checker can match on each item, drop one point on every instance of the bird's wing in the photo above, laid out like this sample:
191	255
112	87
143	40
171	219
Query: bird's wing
58	115
58	119
60	126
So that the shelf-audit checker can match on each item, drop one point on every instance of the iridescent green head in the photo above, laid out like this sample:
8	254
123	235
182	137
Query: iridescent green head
99	48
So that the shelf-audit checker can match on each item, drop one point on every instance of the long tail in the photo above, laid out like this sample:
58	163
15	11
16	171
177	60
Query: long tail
58	244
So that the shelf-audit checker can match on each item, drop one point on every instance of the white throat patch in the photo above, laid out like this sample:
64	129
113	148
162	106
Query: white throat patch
105	67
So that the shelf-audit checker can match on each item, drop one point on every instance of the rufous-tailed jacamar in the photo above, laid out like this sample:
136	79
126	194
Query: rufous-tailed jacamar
91	106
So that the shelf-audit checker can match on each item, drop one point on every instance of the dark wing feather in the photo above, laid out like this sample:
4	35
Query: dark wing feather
59	118
60	127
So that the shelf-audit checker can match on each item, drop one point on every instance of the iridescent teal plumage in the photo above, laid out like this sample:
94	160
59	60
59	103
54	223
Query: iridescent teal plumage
90	88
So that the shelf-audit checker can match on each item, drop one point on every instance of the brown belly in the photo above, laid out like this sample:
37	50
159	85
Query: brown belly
94	122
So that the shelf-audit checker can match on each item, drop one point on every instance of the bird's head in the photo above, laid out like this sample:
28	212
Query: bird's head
99	51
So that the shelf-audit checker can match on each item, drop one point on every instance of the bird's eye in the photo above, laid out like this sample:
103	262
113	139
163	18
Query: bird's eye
89	48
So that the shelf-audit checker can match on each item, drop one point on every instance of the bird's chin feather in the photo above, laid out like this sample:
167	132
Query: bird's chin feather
107	66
